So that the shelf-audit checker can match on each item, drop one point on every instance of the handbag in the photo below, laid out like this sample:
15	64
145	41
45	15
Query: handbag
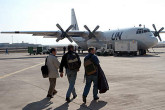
44	70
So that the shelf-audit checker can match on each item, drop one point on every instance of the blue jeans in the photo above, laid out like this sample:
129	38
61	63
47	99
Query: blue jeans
71	75
89	80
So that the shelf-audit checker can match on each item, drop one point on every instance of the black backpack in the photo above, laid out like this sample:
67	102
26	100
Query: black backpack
73	61
44	70
89	66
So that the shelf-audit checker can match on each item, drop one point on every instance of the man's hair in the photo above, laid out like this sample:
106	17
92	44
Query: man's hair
70	47
90	49
52	49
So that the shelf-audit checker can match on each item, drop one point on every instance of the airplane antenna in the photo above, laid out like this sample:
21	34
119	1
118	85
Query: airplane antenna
140	25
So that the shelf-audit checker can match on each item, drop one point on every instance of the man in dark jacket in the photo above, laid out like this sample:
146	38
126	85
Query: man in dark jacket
91	78
71	72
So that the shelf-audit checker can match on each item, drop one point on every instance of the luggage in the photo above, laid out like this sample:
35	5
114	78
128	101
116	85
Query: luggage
89	66
44	70
72	61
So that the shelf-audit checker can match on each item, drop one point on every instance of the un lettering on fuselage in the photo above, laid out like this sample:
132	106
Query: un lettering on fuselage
116	36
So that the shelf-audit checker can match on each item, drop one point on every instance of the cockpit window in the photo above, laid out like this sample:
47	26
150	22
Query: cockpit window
140	31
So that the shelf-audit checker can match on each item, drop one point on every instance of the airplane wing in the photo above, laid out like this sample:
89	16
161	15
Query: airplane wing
54	34
160	32
35	33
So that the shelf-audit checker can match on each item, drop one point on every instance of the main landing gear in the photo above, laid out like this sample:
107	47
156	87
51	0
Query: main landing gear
142	52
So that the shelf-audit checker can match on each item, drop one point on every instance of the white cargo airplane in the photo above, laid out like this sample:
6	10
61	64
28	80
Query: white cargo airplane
145	38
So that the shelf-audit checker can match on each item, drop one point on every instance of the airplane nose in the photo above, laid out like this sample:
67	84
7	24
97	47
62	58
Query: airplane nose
152	41
155	41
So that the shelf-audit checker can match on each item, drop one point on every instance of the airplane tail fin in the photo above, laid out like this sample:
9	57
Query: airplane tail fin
74	20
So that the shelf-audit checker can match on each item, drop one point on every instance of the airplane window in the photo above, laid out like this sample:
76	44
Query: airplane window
146	30
140	31
137	32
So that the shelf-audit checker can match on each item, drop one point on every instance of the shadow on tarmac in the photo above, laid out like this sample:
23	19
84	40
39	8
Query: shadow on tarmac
94	105
39	105
63	107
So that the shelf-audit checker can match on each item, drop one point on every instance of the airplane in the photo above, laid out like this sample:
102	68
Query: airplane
145	38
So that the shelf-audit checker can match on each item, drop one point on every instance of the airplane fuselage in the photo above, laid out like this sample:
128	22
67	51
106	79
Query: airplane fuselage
143	36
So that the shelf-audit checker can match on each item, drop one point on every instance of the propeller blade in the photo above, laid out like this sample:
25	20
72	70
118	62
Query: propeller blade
69	38
160	29
154	27
96	28
87	28
59	27
70	27
64	33
159	38
58	39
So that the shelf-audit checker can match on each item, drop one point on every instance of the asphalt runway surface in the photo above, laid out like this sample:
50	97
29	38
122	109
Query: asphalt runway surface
136	83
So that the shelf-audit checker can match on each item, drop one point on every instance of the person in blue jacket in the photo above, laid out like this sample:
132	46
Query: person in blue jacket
91	78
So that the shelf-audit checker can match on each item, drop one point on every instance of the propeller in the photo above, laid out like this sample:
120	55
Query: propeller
156	33
64	33
91	34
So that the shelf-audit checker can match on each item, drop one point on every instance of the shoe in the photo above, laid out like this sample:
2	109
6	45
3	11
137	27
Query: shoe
84	99
74	96
55	92
49	96
68	100
96	98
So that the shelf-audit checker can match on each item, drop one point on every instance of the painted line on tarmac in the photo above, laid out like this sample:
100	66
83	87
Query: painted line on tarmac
7	75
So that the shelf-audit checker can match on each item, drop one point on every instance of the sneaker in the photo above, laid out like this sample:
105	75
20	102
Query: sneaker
74	96
84	99
49	96
96	98
68	100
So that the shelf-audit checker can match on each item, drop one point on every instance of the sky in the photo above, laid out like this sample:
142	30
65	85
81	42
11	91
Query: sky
43	15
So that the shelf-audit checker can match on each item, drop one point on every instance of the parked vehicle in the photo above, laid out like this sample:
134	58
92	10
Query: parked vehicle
125	47
105	50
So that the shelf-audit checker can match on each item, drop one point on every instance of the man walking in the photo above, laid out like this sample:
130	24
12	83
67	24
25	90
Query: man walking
64	49
72	63
53	66
91	74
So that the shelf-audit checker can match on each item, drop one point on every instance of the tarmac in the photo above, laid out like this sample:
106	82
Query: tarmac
135	83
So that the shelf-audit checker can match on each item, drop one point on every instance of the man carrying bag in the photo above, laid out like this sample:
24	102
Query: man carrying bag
94	73
53	66
72	63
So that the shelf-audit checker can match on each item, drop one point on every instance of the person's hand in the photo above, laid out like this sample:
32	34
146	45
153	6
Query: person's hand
61	74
